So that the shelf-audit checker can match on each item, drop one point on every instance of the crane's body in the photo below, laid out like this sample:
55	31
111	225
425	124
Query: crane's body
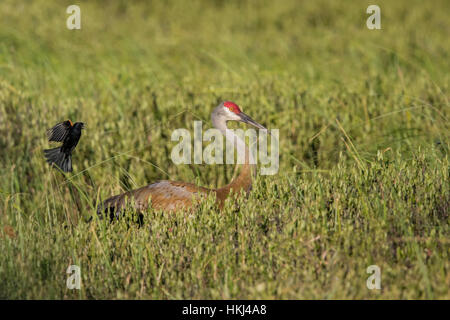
173	195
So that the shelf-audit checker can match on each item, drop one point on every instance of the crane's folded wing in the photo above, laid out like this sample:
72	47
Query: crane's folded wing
167	195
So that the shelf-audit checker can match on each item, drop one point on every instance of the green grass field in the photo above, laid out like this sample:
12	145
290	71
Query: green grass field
364	148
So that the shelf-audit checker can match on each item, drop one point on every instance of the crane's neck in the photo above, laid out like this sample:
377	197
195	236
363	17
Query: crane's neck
244	180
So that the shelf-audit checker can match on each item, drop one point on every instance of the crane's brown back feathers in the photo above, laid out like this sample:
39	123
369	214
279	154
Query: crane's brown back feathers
166	195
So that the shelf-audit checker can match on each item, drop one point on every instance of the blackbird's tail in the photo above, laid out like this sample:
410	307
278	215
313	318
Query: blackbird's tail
61	159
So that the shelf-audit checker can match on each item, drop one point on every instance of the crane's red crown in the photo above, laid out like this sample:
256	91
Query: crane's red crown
232	107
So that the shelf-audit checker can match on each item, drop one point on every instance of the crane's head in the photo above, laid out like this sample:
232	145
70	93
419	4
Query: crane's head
228	110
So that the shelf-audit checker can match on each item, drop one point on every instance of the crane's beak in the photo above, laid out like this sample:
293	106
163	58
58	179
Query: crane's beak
246	119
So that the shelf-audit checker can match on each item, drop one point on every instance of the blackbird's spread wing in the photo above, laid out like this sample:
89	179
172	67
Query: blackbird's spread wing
59	132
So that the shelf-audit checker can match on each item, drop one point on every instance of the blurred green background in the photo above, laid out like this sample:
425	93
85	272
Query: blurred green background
363	119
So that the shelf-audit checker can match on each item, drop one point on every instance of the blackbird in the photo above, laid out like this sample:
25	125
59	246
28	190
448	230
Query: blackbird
69	134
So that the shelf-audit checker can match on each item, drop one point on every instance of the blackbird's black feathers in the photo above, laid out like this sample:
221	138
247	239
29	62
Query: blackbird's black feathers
69	134
59	131
61	159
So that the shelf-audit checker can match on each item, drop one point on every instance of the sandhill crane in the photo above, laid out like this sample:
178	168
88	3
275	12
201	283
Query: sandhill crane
173	195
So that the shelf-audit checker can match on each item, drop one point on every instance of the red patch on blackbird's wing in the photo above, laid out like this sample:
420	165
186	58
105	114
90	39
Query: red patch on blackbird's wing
71	123
232	107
